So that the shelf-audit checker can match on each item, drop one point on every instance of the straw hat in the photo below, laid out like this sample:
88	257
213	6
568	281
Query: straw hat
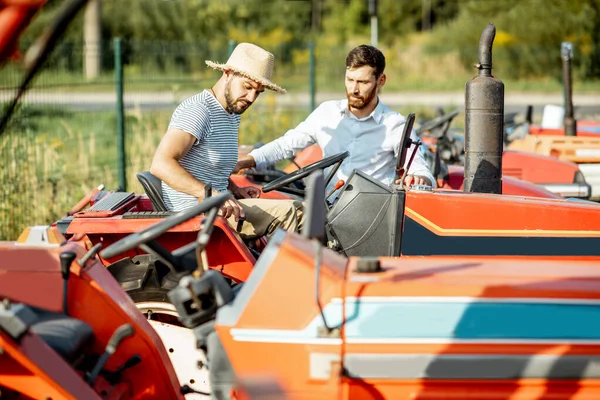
252	62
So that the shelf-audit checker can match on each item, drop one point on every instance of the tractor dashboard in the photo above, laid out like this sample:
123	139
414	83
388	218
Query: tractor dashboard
367	217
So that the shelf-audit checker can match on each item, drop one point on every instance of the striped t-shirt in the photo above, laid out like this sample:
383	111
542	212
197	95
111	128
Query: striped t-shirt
215	151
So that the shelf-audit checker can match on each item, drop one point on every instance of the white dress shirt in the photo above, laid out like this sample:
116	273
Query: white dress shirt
373	142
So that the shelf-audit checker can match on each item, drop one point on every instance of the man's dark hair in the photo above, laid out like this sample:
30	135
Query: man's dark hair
366	55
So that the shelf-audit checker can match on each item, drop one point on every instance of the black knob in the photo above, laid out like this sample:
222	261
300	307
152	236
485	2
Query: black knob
66	259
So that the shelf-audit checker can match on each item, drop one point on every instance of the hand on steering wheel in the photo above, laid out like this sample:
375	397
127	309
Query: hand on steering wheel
305	171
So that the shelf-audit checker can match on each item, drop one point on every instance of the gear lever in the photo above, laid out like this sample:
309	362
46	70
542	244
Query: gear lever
240	224
338	185
66	259
120	334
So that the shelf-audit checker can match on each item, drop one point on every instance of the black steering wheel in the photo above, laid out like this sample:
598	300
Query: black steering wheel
305	171
155	231
269	175
437	127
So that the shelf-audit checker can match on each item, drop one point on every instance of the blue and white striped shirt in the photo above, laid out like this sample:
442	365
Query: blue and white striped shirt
215	151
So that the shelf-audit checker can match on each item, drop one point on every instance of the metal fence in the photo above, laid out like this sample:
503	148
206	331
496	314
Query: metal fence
69	133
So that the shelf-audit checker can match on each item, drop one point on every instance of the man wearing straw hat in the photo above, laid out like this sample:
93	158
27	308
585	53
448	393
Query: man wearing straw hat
360	124
201	146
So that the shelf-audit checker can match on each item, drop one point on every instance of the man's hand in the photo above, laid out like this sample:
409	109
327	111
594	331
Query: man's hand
232	207
246	162
237	168
414	180
247	192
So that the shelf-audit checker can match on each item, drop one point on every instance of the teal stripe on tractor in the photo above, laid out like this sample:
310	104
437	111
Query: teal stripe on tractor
400	318
468	320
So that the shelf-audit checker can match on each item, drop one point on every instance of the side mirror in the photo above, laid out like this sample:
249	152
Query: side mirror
314	225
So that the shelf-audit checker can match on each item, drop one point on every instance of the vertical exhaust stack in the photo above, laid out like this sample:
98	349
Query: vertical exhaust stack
569	121
484	123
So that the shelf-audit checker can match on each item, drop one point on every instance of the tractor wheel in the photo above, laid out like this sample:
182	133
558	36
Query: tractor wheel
150	293
180	343
147	283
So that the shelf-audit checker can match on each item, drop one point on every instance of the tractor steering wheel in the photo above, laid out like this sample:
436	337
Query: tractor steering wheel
303	172
437	127
155	231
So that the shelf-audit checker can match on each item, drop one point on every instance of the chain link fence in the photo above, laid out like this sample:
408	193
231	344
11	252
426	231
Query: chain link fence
62	140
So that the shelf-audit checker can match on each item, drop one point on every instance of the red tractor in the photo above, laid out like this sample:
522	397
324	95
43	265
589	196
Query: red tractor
349	327
69	330
575	142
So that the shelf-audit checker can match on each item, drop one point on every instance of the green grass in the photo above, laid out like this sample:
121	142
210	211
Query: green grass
52	157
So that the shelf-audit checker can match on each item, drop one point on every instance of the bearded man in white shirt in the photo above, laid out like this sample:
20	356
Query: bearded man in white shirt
362	125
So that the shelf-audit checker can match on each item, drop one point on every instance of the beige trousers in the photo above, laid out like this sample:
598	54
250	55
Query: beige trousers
264	216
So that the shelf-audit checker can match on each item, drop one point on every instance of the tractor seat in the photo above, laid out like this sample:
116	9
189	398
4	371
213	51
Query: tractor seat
66	335
153	188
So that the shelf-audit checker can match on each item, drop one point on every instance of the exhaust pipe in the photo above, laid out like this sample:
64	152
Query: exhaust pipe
484	123
569	122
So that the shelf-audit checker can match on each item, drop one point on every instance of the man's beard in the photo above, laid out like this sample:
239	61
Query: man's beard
232	106
359	102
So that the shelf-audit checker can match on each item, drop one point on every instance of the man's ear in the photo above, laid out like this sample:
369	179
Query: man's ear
381	81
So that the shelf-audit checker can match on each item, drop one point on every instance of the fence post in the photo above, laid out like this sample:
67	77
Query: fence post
120	114
312	75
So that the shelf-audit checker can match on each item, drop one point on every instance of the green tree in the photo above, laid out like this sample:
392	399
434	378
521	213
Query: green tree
528	34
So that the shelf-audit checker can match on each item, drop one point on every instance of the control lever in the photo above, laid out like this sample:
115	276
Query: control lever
337	186
187	389
202	242
91	253
187	283
113	376
120	334
66	259
412	157
240	224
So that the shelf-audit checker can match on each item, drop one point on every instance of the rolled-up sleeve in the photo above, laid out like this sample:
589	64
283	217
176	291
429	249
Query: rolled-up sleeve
289	144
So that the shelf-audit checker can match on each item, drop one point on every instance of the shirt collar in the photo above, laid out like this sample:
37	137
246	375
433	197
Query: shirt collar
377	113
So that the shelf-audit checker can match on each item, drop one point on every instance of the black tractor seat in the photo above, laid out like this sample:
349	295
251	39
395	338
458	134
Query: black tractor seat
153	188
66	335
